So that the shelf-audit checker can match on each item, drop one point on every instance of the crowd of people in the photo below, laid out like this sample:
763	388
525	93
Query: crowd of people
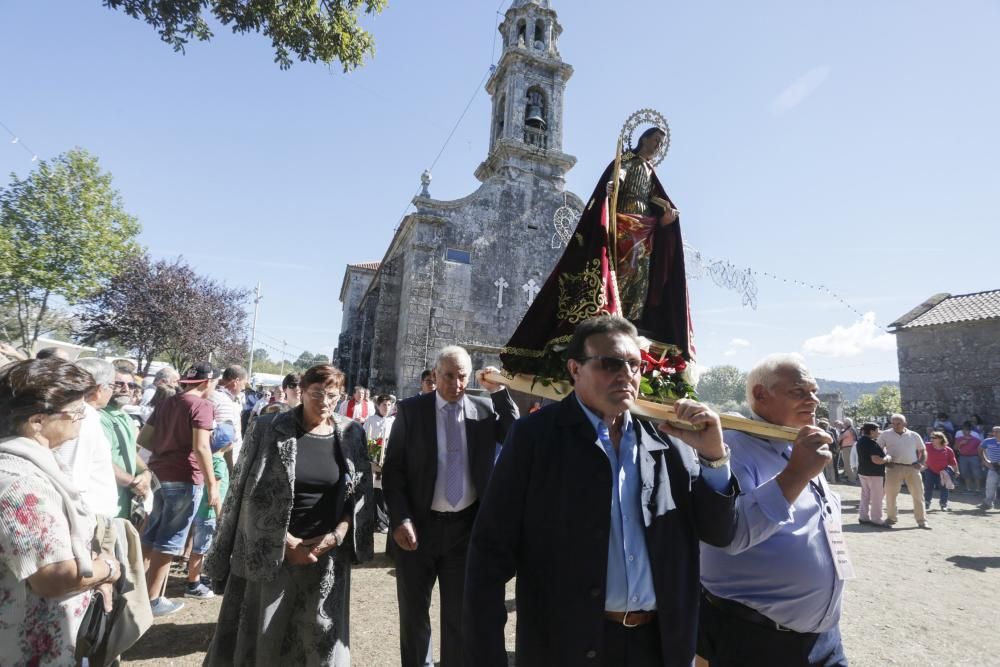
883	458
632	543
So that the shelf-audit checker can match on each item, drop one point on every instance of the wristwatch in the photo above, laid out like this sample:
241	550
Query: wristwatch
717	463
111	569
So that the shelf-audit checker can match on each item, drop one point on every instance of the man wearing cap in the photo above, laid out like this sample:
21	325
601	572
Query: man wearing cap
178	434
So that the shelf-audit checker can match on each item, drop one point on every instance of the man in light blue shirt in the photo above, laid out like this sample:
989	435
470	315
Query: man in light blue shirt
599	515
773	595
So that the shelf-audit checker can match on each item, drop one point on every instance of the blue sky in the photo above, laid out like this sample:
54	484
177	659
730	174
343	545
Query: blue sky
852	145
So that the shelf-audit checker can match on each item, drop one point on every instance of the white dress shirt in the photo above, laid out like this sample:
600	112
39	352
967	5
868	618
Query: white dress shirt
87	461
439	502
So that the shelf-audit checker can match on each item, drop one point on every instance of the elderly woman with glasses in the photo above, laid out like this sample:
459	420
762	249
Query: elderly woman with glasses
47	568
296	519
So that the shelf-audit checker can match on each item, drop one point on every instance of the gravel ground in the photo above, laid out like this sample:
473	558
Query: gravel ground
920	597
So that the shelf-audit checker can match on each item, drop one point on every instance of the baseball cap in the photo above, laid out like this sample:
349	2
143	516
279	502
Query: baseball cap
222	436
199	372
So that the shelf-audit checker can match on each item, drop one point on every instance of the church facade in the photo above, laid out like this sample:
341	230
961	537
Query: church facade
464	271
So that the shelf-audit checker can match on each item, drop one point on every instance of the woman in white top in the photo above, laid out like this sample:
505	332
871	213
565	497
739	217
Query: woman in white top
47	568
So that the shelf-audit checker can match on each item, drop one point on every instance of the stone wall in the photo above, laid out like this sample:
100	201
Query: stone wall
953	368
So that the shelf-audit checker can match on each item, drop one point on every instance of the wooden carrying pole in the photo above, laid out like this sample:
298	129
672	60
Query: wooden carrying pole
649	409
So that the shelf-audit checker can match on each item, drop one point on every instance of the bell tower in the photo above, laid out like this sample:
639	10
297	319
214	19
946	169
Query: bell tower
527	88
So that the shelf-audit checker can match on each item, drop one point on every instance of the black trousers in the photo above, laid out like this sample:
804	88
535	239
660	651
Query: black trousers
725	640
442	549
632	647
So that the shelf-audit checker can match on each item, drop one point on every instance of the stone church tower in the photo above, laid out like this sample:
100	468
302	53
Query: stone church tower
464	271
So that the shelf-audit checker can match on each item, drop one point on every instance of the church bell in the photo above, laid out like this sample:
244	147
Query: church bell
534	116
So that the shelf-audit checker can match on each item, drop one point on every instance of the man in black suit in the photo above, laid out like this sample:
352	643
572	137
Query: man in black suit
599	515
437	467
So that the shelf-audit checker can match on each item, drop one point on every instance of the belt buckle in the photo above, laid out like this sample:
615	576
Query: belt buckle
625	622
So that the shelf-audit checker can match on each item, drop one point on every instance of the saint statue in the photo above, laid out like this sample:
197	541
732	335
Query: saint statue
641	276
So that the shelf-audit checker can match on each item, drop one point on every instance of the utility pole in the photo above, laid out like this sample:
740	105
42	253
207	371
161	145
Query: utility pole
253	329
284	344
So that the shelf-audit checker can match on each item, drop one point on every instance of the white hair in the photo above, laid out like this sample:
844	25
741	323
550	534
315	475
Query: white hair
765	372
896	415
848	422
455	354
166	374
102	371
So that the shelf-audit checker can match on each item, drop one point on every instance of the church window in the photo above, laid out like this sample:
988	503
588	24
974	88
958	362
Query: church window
501	112
458	256
522	29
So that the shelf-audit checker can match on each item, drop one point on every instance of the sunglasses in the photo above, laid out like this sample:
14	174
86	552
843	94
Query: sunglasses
616	365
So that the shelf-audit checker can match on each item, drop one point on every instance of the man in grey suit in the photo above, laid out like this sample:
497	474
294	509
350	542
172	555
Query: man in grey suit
443	445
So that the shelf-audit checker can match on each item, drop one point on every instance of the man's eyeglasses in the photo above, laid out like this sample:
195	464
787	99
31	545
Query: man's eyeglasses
617	364
323	396
75	415
118	384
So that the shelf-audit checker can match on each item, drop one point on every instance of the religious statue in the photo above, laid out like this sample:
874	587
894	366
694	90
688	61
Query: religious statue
641	207
639	275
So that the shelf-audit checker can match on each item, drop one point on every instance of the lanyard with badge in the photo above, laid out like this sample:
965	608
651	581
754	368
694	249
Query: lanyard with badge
834	531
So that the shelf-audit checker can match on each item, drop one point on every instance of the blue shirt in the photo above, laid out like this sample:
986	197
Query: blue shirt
629	579
779	562
992	448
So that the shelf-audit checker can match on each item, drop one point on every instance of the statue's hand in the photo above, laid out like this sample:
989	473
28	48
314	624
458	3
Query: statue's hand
669	216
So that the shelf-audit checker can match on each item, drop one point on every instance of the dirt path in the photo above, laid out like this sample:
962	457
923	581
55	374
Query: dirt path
921	597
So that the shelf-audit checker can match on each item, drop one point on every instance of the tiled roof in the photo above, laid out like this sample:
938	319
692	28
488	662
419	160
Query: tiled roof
370	266
949	309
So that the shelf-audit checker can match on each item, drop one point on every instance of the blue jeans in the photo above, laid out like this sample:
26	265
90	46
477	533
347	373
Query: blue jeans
972	471
932	480
174	505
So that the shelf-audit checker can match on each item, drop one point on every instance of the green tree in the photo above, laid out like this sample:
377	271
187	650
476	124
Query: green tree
64	234
720	384
311	30
884	402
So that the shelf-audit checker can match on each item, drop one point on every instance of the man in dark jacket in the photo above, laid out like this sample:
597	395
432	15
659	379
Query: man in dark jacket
599	515
435	472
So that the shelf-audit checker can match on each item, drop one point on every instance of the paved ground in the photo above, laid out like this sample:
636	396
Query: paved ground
921	597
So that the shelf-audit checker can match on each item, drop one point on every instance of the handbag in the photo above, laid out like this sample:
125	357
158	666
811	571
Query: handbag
946	480
93	631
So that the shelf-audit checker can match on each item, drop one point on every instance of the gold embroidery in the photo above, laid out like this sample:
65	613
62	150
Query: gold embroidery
581	295
524	352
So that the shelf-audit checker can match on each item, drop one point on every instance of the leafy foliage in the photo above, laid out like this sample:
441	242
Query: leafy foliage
311	30
166	309
882	403
63	233
723	384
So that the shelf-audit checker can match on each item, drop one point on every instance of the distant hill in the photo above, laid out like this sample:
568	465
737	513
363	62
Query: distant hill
851	390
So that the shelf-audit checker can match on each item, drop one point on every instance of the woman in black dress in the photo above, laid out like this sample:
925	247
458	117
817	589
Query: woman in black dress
298	516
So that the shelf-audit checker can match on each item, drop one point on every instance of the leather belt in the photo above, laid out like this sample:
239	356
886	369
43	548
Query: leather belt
742	612
631	619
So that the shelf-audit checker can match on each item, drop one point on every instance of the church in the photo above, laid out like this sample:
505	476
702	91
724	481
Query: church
464	272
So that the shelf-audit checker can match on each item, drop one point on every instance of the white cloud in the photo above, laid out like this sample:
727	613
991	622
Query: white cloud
729	353
739	342
800	89
860	337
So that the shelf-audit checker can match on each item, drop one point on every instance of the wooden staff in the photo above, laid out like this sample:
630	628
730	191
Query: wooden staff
613	212
649	409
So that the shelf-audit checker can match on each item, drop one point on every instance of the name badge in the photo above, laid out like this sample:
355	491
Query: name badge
834	531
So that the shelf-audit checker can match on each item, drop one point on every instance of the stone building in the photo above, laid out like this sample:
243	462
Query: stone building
949	358
464	271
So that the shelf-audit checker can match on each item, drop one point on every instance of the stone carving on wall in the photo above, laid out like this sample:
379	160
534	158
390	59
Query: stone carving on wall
501	285
531	290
